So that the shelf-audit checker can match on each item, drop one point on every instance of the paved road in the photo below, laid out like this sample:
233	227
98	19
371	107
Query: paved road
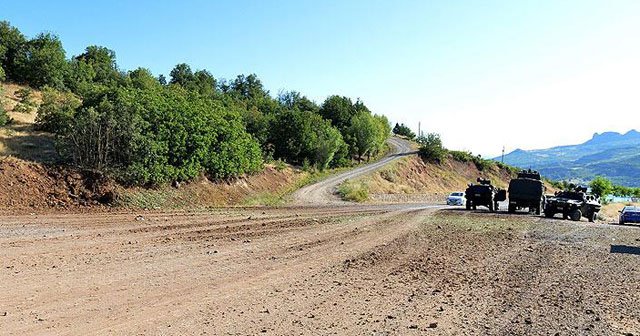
323	192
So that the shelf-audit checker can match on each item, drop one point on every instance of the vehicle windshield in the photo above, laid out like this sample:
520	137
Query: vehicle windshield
457	194
571	195
631	209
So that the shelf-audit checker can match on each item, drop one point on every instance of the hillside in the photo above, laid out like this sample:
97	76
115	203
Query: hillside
413	180
608	154
18	138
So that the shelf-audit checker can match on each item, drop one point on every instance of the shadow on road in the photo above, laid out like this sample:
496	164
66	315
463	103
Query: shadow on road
625	249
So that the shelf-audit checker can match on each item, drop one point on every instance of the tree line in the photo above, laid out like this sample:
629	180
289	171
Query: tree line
148	130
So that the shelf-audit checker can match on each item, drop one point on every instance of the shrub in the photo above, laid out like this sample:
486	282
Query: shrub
431	148
401	129
23	108
26	96
4	117
356	191
56	112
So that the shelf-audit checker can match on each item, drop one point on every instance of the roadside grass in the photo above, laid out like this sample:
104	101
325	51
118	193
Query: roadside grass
354	190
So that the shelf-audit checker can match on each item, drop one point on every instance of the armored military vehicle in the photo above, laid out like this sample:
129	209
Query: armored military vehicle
527	191
573	204
484	194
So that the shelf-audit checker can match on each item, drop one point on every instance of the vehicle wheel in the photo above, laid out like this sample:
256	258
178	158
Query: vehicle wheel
621	222
491	208
468	206
539	208
576	215
593	217
474	207
512	208
548	214
496	206
565	215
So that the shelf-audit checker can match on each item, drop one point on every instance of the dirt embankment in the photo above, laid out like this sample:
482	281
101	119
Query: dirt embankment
33	186
29	186
268	187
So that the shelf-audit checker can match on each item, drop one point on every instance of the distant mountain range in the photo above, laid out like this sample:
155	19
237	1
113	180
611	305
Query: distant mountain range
612	155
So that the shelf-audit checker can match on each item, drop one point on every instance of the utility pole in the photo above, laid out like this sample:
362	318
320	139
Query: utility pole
502	154
419	134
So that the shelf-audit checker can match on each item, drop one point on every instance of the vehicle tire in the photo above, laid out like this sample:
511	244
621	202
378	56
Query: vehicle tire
491	208
496	206
468	206
593	216
512	208
539	208
620	221
565	215
474	207
576	215
548	214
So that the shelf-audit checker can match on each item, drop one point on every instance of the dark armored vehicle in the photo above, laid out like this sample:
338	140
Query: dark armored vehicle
484	194
573	204
527	191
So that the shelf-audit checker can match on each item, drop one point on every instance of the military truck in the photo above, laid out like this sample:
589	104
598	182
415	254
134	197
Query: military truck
574	204
526	191
484	194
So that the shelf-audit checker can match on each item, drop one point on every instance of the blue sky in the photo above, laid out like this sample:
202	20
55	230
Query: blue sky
483	74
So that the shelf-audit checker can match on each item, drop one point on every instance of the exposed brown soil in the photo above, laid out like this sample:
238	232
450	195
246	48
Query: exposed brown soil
33	186
366	270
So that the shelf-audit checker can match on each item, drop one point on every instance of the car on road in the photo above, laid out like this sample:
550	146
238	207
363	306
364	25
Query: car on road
456	198
629	214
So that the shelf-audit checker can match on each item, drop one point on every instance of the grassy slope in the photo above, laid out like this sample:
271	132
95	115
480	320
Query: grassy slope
19	139
411	176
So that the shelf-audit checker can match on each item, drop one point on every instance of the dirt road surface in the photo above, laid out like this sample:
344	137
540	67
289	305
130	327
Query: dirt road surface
323	192
317	270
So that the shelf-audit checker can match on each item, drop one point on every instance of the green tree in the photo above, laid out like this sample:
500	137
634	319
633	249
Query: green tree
12	44
182	75
248	87
339	110
95	69
143	79
203	83
601	186
402	129
43	62
57	110
2	74
294	100
431	148
363	134
300	136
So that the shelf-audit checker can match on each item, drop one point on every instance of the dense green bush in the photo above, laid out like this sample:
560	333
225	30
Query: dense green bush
56	112
149	130
431	148
402	129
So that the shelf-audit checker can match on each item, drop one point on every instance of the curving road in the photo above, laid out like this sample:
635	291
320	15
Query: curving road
323	192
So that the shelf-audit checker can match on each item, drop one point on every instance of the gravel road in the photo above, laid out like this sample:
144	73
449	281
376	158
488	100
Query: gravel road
323	192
